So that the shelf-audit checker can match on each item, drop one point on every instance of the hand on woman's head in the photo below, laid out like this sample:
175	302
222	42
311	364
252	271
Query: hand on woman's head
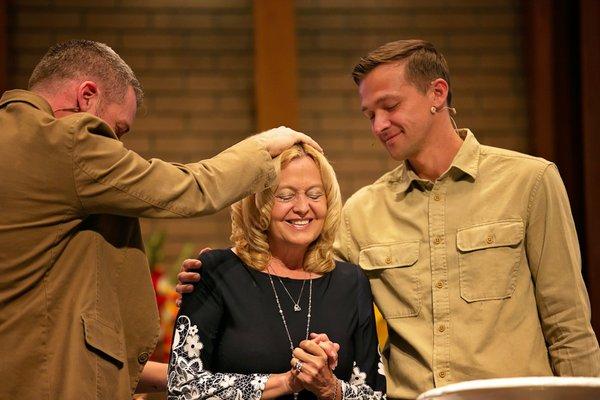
277	140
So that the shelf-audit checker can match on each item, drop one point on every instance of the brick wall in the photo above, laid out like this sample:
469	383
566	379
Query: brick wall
482	44
194	58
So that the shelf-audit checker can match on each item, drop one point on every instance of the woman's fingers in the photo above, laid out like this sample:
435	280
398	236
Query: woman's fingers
304	371
331	351
313	348
330	348
310	367
311	353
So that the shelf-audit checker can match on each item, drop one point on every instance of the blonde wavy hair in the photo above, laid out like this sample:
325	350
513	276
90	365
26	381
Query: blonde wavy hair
251	217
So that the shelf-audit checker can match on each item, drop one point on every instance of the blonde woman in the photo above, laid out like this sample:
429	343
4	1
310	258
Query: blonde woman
244	331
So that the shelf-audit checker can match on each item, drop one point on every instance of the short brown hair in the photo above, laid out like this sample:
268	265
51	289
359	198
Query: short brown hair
87	59
423	63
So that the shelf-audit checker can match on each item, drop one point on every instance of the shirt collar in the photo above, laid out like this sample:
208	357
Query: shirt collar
25	96
467	158
402	177
466	161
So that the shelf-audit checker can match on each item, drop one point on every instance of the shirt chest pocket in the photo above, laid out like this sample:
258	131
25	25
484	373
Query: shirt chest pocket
488	259
393	276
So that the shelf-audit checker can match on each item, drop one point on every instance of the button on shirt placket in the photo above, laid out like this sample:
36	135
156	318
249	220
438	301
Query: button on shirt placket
439	275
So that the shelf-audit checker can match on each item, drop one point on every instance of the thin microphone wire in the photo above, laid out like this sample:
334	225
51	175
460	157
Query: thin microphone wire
452	112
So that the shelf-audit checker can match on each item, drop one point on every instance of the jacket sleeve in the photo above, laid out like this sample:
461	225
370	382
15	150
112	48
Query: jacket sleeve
112	179
555	264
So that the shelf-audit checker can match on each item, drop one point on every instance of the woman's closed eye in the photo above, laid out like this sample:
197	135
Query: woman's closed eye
314	194
285	196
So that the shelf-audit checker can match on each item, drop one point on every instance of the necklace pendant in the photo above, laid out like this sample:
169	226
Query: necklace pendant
297	308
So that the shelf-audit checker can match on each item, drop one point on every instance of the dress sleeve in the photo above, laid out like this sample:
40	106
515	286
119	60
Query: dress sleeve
196	333
368	378
555	264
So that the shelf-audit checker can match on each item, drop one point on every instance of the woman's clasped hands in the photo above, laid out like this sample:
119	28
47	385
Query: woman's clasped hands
312	365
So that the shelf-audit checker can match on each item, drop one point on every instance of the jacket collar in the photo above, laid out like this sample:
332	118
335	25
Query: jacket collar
25	96
466	162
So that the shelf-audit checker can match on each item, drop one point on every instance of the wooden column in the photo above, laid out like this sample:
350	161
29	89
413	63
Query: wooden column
562	39
539	58
590	106
275	64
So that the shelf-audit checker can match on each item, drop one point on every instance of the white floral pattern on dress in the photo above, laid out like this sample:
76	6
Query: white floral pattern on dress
358	377
188	380
192	346
259	382
357	389
227	381
360	392
380	368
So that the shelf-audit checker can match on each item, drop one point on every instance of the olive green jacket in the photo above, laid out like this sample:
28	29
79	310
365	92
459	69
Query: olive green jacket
78	317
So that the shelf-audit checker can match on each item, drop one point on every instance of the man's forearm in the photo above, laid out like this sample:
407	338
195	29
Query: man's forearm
153	378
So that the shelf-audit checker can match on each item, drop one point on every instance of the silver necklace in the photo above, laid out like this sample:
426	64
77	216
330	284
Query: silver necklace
287	331
297	302
283	315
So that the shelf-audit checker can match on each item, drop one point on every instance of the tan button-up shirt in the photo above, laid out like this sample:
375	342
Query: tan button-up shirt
78	316
477	274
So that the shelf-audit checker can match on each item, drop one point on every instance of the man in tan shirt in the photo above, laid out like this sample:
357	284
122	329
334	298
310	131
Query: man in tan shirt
471	250
78	318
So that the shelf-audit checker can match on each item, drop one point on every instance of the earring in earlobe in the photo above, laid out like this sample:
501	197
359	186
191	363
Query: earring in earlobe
433	110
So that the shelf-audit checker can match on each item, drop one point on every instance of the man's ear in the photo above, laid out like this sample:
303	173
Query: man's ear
88	97
440	92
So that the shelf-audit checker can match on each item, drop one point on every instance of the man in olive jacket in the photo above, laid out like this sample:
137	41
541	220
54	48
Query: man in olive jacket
78	317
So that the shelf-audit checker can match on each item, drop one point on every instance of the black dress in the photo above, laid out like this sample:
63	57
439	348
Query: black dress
229	335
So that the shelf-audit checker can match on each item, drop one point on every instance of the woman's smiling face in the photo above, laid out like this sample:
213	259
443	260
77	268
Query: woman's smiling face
299	206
